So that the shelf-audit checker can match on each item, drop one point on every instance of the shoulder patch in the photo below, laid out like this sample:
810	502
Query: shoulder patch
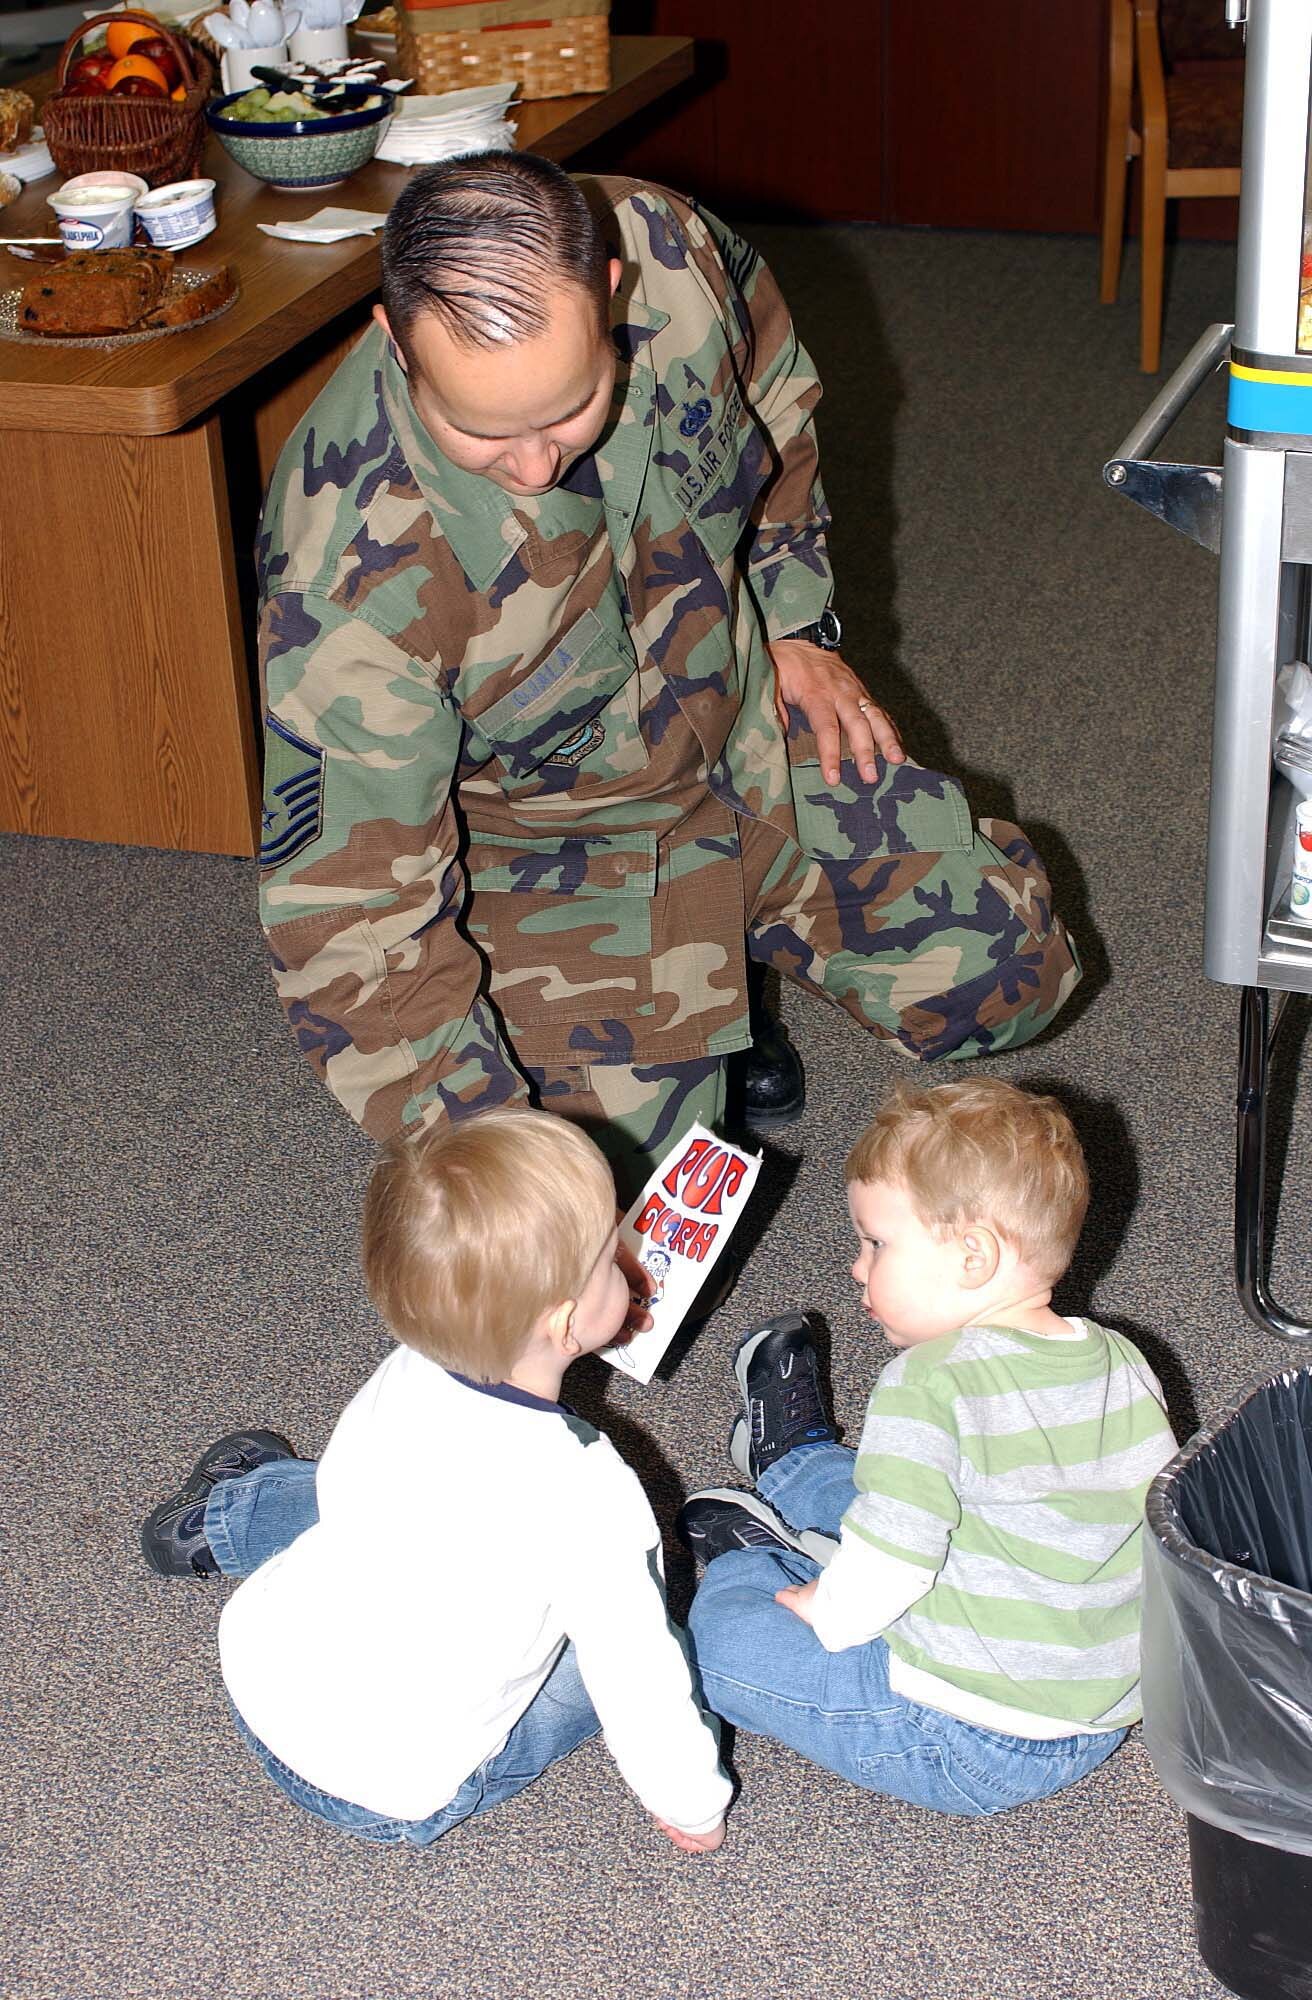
738	256
293	794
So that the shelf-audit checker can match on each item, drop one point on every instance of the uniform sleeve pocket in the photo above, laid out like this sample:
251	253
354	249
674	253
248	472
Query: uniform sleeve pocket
908	810
549	712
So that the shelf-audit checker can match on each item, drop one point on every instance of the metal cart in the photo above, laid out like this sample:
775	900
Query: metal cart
1255	510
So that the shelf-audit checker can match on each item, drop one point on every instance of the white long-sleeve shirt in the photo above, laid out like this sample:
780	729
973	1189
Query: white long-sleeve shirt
463	1535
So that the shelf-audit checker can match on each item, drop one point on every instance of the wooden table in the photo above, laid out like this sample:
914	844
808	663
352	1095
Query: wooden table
130	483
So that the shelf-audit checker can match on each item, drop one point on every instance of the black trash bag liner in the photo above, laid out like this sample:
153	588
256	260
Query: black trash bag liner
1227	1619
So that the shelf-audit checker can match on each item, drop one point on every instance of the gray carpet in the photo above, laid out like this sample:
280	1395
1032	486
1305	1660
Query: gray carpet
179	1255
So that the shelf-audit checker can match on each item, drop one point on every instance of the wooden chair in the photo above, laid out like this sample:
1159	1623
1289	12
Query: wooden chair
1175	100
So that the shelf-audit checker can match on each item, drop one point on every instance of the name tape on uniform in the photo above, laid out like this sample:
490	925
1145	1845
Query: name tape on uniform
676	1229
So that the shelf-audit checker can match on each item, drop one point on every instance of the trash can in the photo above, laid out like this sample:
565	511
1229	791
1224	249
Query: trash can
1227	1680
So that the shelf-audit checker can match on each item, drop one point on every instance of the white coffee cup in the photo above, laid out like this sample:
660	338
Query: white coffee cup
238	66
317	45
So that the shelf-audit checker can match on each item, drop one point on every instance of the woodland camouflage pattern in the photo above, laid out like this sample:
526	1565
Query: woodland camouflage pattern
526	793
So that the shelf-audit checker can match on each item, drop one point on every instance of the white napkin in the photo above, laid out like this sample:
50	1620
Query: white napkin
401	150
326	225
440	128
31	162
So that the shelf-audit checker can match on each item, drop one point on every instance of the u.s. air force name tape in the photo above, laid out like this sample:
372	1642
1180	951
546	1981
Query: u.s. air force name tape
676	1229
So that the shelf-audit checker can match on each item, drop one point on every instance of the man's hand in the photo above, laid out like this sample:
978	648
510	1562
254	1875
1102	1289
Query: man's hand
835	705
693	1843
797	1599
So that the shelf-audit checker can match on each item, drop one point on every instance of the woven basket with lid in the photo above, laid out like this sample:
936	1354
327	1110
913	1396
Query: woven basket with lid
551	48
150	136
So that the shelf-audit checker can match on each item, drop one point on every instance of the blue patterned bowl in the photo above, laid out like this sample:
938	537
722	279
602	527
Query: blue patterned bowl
305	152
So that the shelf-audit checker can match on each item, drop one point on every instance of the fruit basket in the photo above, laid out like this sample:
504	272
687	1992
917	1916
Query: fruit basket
158	137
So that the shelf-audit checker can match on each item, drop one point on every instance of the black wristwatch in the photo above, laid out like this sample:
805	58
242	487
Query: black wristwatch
827	632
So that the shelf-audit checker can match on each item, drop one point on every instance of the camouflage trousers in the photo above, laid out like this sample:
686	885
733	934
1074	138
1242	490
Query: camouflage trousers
938	955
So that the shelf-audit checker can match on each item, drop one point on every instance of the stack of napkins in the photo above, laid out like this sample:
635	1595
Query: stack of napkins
441	128
31	162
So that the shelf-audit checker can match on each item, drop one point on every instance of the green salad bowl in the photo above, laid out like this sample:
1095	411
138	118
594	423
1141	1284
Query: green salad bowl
306	152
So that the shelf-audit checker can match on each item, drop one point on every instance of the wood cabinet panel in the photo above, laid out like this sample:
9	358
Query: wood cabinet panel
783	118
953	116
993	114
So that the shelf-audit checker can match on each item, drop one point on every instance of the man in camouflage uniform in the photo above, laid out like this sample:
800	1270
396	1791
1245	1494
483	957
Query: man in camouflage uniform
528	797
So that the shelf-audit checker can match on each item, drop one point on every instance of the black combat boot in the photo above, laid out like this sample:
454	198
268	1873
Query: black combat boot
773	1082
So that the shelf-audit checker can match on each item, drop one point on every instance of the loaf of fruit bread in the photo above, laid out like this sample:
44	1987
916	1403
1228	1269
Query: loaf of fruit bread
183	307
94	291
16	114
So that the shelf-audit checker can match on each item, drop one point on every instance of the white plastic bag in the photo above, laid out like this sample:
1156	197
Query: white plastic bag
1291	726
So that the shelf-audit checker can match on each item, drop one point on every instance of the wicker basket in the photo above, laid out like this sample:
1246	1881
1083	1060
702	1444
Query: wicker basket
551	48
150	136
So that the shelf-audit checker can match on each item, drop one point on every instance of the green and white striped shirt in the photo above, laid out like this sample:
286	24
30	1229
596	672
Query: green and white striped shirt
995	1539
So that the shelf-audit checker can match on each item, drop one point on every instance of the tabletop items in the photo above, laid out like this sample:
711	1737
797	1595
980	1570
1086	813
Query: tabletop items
301	145
94	294
119	109
441	128
326	225
563	49
125	123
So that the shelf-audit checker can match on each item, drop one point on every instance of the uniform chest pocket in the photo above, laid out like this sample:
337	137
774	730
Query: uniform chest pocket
565	922
908	810
728	464
578	705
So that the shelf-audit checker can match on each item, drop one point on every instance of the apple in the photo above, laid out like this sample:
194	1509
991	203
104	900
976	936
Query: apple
163	56
88	68
86	86
137	86
160	52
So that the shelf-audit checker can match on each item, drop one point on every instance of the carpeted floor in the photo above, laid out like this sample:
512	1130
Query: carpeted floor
180	1203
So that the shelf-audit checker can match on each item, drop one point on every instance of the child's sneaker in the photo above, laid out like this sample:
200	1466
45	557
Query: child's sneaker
721	1518
173	1536
783	1405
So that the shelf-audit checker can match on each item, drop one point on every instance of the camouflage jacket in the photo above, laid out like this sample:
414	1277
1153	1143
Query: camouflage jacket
507	739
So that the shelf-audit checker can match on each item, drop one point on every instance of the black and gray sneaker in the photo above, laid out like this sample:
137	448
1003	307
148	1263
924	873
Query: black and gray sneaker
720	1518
783	1404
173	1536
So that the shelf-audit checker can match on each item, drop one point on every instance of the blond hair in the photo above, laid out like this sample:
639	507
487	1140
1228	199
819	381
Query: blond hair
980	1150
471	1231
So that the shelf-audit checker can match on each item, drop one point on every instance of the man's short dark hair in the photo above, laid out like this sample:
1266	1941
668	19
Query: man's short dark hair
482	242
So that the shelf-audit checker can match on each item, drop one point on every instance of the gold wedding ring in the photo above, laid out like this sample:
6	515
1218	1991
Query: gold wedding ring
864	705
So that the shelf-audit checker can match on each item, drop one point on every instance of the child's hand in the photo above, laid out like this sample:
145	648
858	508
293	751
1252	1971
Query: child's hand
693	1843
797	1599
639	1283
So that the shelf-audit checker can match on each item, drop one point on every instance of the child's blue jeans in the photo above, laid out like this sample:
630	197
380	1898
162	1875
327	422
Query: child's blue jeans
251	1518
763	1669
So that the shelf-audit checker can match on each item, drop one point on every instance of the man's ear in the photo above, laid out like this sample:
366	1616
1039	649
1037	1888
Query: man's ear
980	1254
381	319
616	270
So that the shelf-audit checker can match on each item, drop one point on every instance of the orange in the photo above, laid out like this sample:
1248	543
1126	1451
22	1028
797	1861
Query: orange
121	35
137	66
179	95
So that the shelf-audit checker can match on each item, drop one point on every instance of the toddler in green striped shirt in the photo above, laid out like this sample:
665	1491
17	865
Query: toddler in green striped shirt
951	1613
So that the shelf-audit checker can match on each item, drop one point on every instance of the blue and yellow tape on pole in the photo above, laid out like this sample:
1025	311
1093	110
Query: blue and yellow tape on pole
1273	400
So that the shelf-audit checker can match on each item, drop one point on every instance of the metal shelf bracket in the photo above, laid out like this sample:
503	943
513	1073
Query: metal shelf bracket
1259	1024
1185	497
